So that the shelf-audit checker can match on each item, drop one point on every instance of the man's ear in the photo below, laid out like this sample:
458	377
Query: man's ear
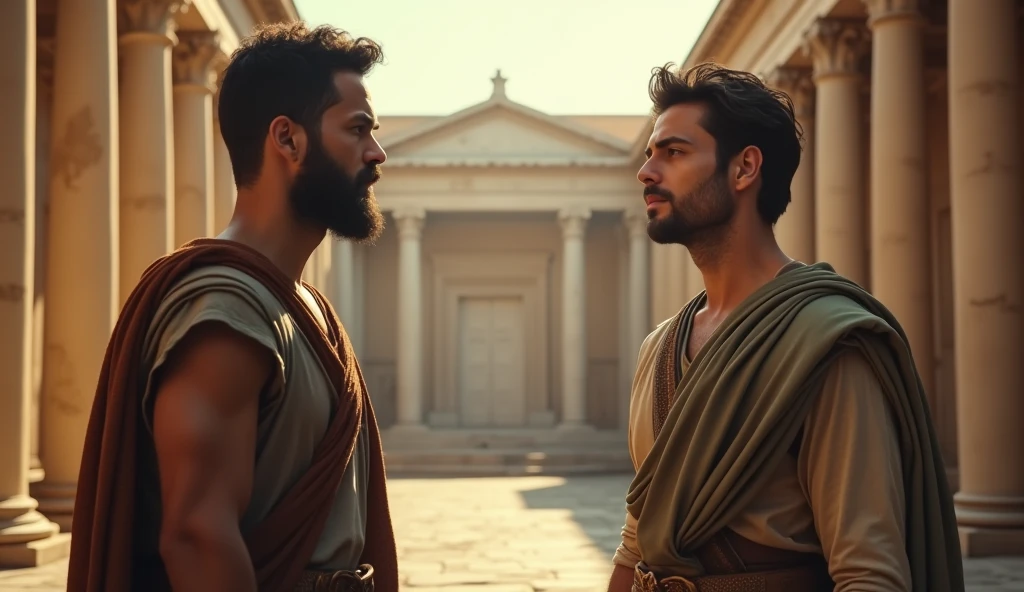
746	168
289	139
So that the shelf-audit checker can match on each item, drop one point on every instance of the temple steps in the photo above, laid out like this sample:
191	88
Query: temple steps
553	451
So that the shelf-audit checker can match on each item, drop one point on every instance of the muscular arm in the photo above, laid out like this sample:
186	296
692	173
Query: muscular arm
204	427
850	469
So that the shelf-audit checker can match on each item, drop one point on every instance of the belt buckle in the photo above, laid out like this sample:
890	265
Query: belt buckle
645	581
682	584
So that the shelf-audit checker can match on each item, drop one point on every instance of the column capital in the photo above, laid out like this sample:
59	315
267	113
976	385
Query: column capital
193	58
217	66
573	221
836	46
798	83
635	220
885	10
410	221
148	20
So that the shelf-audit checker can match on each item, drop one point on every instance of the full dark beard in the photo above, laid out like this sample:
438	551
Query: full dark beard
323	195
695	217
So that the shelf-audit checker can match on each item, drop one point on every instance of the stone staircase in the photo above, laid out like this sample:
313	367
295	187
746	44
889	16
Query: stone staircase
423	452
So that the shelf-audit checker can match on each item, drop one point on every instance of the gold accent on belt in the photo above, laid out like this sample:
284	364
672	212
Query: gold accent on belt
360	580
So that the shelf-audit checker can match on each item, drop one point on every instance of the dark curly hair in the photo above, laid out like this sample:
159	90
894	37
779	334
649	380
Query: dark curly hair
283	69
741	111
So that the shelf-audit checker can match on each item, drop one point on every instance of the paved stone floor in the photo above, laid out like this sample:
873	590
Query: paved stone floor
519	534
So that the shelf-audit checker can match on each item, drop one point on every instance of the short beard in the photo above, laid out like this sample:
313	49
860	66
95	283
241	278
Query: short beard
324	195
699	220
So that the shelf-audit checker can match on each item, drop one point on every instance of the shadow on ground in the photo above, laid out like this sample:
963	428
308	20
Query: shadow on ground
596	503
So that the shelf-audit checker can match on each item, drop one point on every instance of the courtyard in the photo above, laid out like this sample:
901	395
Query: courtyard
513	534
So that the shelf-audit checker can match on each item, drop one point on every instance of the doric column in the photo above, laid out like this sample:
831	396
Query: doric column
574	302
409	366
81	273
988	271
193	80
224	190
900	211
147	166
638	301
343	267
22	529
795	229
639	279
836	48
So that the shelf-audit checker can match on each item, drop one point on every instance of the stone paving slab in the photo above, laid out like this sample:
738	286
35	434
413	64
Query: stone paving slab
513	534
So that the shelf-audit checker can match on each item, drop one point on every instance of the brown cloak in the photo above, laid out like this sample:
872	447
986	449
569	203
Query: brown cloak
281	545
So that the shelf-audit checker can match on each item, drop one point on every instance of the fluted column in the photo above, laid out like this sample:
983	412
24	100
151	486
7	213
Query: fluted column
836	48
900	210
795	229
410	318
22	528
147	151
193	80
345	285
224	190
574	302
639	279
638	300
82	275
988	271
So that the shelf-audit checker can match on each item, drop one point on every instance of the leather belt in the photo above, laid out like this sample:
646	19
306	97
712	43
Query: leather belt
794	579
360	580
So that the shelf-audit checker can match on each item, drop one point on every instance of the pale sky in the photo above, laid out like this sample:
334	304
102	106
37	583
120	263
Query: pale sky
559	56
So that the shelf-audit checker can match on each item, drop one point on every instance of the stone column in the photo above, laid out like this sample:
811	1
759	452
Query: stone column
639	280
344	284
836	48
901	261
147	151
224	191
637	301
988	271
192	59
795	229
409	366
574	302
24	532
81	273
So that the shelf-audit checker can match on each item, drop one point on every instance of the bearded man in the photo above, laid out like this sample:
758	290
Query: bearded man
778	427
232	443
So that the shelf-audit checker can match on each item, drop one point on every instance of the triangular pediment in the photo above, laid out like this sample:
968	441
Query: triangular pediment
502	130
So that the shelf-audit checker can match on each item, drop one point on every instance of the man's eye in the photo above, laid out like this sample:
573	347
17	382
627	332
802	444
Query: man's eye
674	151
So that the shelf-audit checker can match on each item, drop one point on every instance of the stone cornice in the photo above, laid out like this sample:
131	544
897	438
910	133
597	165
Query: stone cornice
720	28
437	162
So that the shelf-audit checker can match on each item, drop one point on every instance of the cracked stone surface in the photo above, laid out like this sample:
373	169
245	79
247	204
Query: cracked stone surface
513	534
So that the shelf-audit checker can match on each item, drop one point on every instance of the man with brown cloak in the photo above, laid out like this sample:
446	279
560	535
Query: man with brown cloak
778	426
232	444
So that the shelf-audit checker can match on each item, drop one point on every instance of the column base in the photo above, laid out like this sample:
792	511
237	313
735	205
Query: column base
36	553
990	542
27	538
56	501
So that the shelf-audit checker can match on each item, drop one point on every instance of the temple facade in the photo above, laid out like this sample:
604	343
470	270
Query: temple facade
498	318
